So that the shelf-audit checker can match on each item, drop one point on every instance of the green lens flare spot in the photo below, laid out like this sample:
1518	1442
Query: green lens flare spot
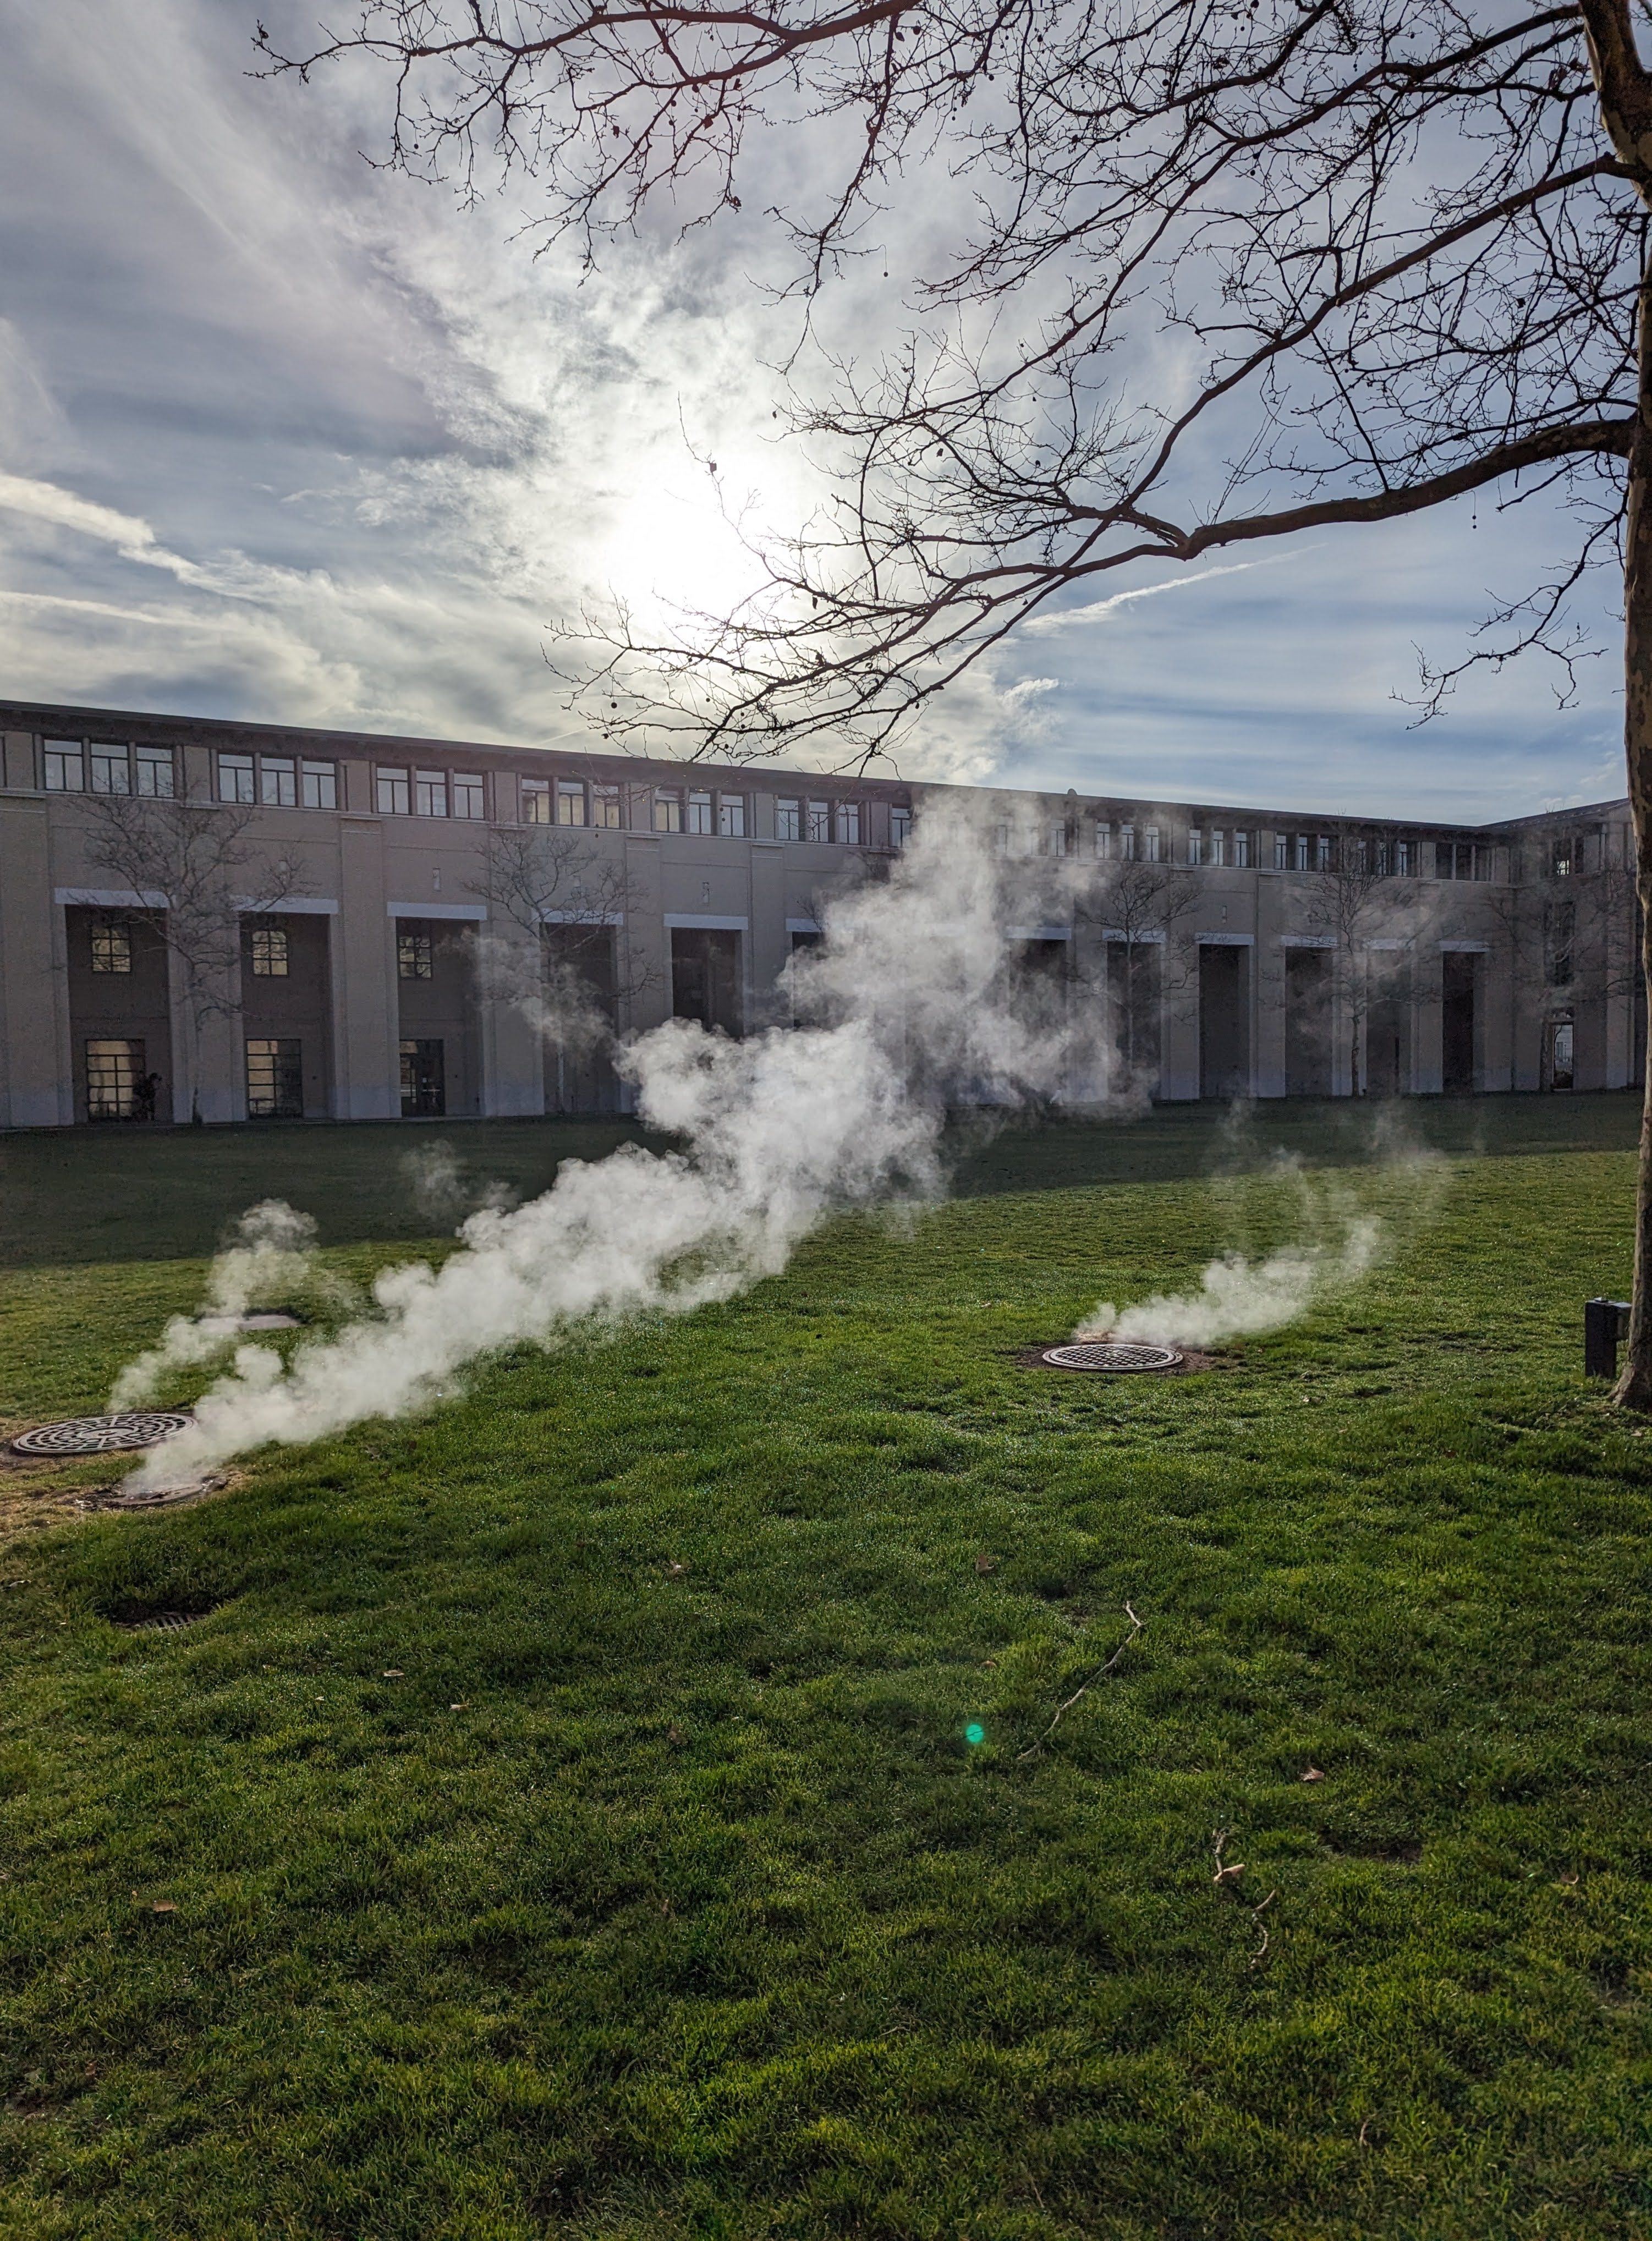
974	1733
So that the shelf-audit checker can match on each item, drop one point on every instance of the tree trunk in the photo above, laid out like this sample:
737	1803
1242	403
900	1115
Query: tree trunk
1633	1387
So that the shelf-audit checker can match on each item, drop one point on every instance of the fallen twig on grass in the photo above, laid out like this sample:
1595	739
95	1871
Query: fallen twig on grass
1255	1915
1233	1867
1099	1673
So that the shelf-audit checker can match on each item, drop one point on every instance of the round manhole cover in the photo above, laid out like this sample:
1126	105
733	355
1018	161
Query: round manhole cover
1111	1353
101	1435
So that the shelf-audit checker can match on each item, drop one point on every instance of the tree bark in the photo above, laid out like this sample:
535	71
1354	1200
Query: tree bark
1633	1387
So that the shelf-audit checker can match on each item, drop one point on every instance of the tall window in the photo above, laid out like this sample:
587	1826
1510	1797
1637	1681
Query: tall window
899	826
392	792
1384	860
111	946
1152	837
1402	858
668	813
111	771
788	819
469	794
1282	851
849	824
114	1074
64	772
1103	842
430	793
1058	837
536	801
699	813
275	1079
1301	852
1195	845
1241	852
155	776
320	784
731	816
1322	852
606	809
278	781
1001	839
1563	858
1218	848
571	802
1127	843
413	955
235	779
819	824
269	952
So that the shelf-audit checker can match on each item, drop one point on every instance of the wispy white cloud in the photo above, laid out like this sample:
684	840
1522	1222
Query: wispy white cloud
1064	618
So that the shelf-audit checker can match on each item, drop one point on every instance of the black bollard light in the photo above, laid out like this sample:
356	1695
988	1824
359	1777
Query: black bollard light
1605	1322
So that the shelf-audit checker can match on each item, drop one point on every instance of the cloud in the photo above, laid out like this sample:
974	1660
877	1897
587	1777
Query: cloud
1063	617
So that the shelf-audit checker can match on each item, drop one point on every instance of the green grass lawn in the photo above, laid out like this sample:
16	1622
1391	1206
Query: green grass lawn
564	1804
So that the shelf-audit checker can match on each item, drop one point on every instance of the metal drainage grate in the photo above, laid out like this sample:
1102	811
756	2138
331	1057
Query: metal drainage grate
1111	1353
162	1622
101	1435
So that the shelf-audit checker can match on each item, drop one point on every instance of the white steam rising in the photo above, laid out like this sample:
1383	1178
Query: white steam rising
1239	1296
916	1004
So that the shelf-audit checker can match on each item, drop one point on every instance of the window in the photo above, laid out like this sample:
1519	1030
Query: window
392	793
1218	848
319	782
1402	858
1301	852
1282	851
606	809
278	782
1001	839
571	802
1058	838
819	825
469	794
1152	837
1322	852
788	819
155	777
1241	852
899	827
1196	845
1127	843
849	824
275	1080
699	813
430	793
1384	855
668	813
115	1082
413	954
1563	857
111	769
269	952
1560	1054
1103	842
64	767
536	801
111	946
731	816
423	1086
235	779
1361	855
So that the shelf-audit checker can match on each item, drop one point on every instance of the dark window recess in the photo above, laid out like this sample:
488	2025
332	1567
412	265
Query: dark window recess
1457	1019
424	1086
413	956
1307	1022
269	952
705	977
1133	993
1224	1020
275	1079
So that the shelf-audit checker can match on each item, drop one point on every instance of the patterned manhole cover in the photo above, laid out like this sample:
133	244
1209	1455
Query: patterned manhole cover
1111	1353
101	1435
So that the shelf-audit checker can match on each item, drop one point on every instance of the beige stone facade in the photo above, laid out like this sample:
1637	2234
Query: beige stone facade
1226	950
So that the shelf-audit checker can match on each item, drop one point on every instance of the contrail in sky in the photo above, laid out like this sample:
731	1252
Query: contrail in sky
1099	607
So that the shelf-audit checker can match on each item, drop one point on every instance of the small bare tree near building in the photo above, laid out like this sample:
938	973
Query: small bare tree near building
1353	904
192	860
572	901
1138	907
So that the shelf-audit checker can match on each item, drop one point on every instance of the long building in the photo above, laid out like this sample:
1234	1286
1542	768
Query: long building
242	922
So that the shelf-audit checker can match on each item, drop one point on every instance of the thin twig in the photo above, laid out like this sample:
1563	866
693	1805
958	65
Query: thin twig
1255	1912
1235	1867
1099	1673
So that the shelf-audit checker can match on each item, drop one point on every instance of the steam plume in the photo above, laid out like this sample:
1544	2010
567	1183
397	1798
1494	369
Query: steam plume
779	1131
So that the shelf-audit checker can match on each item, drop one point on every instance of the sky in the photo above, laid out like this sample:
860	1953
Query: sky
288	437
